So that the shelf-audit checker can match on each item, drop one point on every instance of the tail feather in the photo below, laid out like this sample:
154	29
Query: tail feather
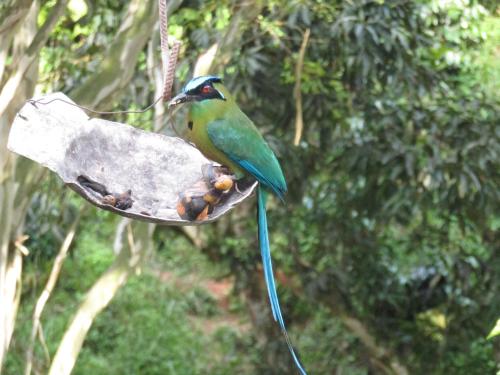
268	272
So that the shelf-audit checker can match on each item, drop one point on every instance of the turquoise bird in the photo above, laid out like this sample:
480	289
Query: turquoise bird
223	133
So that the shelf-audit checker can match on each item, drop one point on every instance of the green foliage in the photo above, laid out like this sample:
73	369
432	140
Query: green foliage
391	218
152	326
126	338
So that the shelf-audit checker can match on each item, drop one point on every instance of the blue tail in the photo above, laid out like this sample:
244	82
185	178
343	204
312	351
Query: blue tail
268	272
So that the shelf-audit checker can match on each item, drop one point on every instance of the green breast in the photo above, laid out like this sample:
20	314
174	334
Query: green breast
223	133
198	134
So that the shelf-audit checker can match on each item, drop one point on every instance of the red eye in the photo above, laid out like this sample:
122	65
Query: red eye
206	89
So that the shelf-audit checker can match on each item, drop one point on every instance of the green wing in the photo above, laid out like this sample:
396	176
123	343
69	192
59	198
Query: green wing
239	139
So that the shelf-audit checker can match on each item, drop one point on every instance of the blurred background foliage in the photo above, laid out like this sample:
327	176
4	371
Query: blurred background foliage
387	251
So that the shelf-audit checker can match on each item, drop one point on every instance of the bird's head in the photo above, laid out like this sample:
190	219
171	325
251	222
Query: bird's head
206	90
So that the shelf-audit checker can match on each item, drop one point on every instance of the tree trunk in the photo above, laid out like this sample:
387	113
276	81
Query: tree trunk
12	199
99	92
119	62
21	42
102	292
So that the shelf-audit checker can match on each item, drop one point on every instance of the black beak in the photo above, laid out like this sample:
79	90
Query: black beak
179	99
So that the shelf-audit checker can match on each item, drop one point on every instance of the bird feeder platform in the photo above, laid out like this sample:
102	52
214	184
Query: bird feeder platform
116	167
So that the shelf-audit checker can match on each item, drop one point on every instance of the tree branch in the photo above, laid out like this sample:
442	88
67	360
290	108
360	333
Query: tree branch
99	296
29	56
12	217
119	62
299	121
381	357
43	34
220	53
47	291
12	13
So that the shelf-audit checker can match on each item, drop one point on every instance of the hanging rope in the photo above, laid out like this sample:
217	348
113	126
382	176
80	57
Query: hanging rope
168	58
170	71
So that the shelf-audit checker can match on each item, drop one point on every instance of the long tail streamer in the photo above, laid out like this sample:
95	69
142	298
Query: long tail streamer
268	272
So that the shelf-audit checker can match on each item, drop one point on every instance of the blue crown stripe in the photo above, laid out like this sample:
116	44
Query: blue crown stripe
198	81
